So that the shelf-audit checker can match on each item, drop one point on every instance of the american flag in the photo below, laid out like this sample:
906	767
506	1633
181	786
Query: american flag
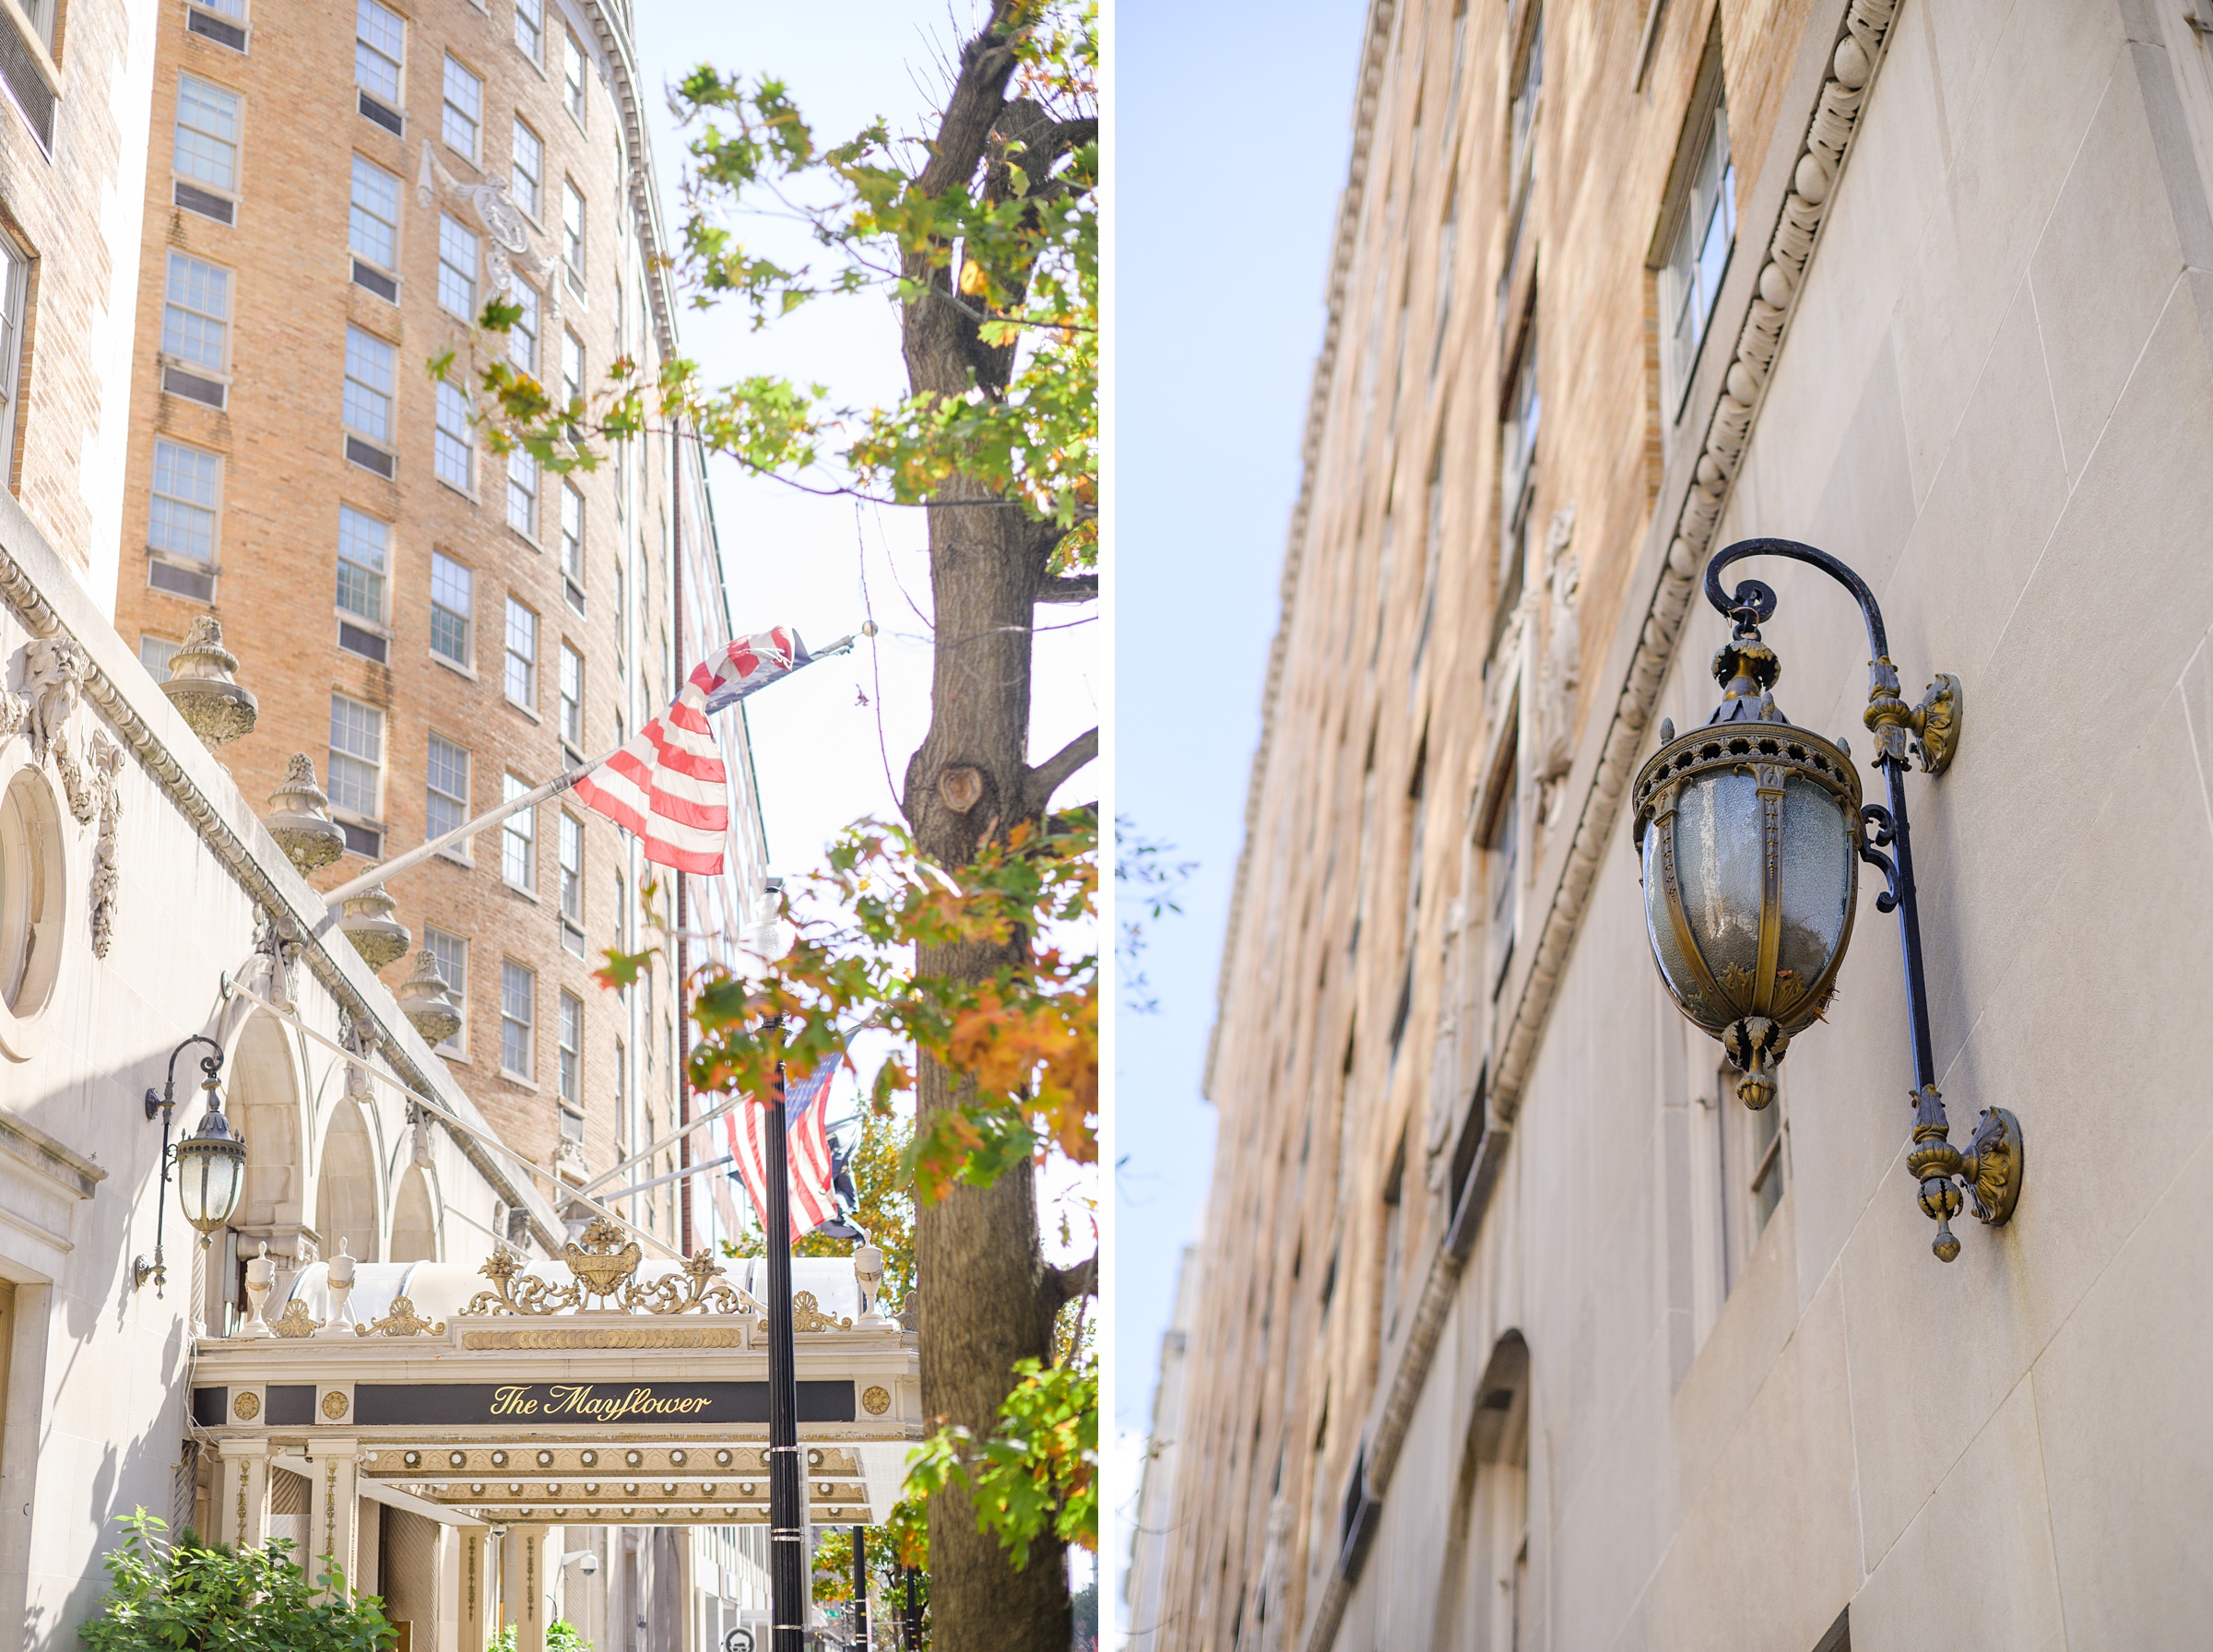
668	786
805	1105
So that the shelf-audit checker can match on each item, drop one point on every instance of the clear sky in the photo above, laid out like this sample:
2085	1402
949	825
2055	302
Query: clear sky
1232	132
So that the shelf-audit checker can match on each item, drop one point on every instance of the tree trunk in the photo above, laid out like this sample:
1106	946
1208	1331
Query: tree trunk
988	1297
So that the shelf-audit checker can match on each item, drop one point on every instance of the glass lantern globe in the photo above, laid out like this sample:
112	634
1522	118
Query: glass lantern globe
211	1170
1748	834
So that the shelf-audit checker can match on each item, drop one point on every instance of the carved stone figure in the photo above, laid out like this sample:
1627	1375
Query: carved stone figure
53	674
107	879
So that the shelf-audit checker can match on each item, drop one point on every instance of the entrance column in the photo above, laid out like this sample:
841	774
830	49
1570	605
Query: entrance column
523	1586
242	1493
473	1544
331	1507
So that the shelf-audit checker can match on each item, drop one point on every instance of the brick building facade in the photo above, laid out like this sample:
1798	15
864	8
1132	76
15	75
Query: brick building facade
334	192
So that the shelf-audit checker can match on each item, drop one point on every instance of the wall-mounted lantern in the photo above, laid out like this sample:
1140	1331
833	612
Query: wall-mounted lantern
1750	831
211	1164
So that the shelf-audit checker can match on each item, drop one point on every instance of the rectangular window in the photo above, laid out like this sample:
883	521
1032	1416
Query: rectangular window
357	755
571	229
373	225
206	141
572	74
572	541
522	338
572	696
447	803
452	601
196	317
457	253
363	543
200	21
451	953
1698	253
15	284
378	48
518	839
529	167
372	372
622	630
522	655
183	520
522	493
571	882
518	1015
453	448
154	654
530	29
1504	874
463	114
1518	469
571	1055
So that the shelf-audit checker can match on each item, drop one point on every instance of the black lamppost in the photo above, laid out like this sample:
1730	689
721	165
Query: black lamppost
786	1511
1751	830
861	1589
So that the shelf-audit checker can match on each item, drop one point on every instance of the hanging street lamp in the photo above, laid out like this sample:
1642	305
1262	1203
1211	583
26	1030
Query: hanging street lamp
211	1164
1750	831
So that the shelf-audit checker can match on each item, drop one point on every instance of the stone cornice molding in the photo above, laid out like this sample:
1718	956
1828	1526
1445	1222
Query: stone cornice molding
1344	249
202	791
644	193
1854	59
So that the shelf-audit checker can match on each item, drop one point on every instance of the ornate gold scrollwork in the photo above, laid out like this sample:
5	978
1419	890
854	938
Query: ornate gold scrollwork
514	1292
600	1268
1936	722
604	1273
296	1321
401	1320
807	1315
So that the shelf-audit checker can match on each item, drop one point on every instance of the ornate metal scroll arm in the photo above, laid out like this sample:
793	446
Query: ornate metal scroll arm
1992	1163
699	1286
514	1292
1879	835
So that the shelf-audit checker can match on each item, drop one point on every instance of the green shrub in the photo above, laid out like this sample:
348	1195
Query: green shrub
189	1596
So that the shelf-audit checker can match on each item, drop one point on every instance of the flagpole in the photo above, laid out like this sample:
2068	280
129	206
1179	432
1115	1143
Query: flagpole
483	822
492	817
787	1512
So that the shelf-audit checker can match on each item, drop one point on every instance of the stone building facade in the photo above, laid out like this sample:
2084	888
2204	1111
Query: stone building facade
1511	1326
334	194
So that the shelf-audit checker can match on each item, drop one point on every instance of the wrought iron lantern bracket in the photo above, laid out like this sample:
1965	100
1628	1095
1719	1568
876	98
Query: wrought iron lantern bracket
1754	1011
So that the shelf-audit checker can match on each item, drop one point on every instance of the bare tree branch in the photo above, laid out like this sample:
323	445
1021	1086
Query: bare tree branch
1044	780
1074	588
1073	1282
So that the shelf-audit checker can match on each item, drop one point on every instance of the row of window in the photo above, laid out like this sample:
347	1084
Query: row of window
518	1020
380	55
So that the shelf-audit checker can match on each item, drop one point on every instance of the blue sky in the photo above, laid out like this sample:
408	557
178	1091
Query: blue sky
1232	131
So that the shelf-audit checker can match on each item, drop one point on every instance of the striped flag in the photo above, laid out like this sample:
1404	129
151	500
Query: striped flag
668	786
806	1106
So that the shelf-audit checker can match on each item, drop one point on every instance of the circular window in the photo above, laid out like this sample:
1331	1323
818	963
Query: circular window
32	888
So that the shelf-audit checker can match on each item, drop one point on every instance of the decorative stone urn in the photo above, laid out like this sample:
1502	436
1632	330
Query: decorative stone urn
426	1002
376	935
298	821
201	687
